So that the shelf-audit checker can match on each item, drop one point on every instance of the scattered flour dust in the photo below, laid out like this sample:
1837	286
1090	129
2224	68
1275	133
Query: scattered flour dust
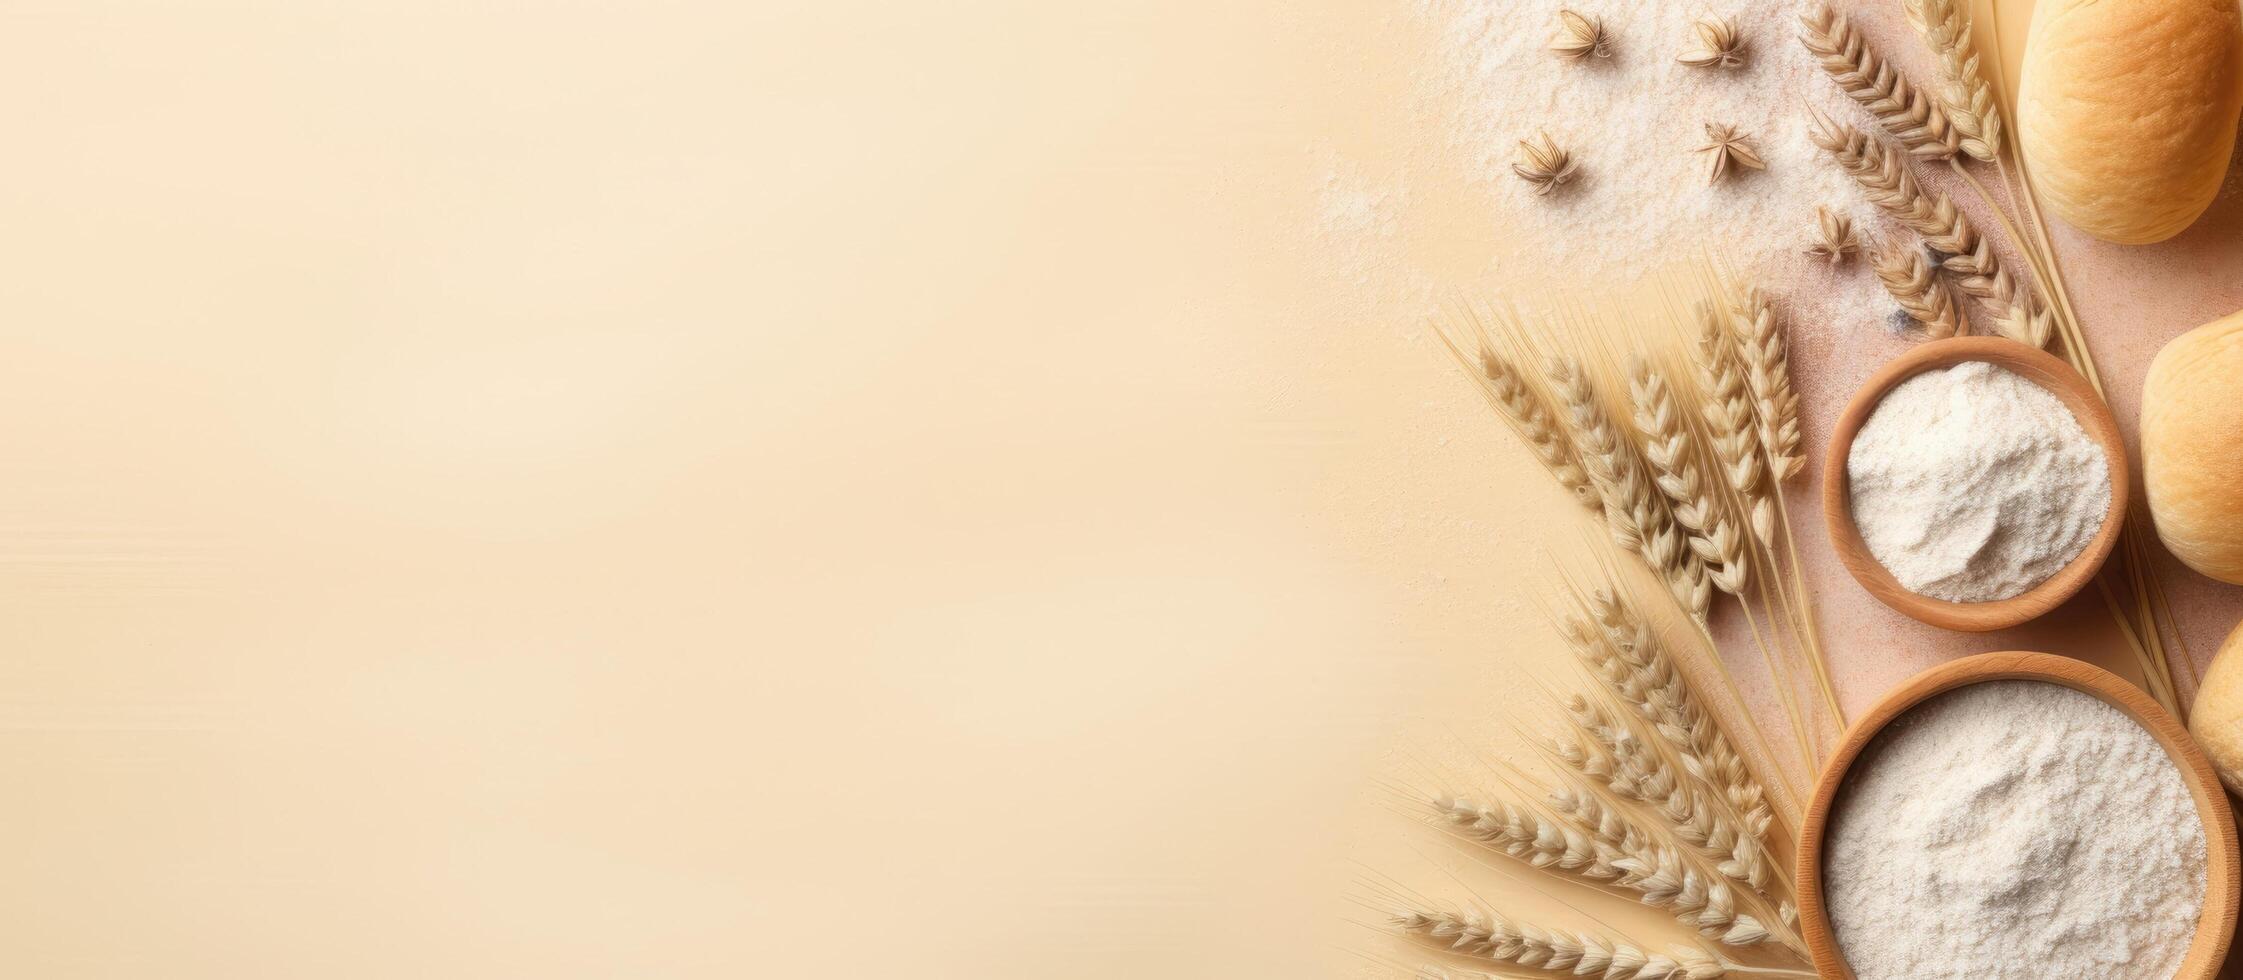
1641	202
1972	484
2011	830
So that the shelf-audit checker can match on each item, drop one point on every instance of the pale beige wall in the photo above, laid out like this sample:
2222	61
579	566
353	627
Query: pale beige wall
703	490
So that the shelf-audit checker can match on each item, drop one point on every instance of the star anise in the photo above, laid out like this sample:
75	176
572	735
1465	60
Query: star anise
1719	45
1543	164
1834	239
1728	150
1581	37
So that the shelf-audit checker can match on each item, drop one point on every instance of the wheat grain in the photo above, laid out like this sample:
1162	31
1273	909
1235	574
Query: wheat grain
1834	236
1767	361
1544	164
1487	935
1581	37
1728	150
1720	45
1908	114
1963	90
1918	290
2018	313
1726	409
1633	508
1672	449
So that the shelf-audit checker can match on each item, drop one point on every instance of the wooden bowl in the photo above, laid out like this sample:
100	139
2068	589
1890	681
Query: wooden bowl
2039	367
2215	926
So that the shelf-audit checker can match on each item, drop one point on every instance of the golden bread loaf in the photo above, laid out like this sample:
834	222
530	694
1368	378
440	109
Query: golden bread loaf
2192	447
2126	111
2216	720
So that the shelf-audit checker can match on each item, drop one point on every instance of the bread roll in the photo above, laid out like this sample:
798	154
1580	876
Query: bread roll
2217	717
2127	109
2192	447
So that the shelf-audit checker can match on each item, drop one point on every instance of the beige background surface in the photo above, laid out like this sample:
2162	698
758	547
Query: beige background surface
687	489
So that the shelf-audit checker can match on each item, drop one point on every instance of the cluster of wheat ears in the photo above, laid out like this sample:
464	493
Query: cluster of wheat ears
1660	790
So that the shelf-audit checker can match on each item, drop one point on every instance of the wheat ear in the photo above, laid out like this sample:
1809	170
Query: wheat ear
1846	57
1969	100
1657	876
1487	935
1636	772
1542	844
1530	416
1633	508
1767	361
2018	312
1667	702
1918	290
1727	412
1672	449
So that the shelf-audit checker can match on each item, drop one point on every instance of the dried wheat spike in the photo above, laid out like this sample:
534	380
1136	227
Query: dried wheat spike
1487	935
1639	773
1581	37
1531	417
1963	90
1607	824
1918	290
1910	116
1543	164
1672	448
1767	361
1633	508
1719	45
1661	879
1660	876
1834	236
2018	313
1542	844
1669	705
1727	411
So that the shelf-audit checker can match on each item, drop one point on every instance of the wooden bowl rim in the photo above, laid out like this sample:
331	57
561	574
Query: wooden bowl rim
2038	366
2215	924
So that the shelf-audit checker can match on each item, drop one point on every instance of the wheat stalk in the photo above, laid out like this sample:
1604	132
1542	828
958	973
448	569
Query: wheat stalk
1913	285
1768	373
1963	91
2018	312
1846	57
1672	449
1490	936
1633	508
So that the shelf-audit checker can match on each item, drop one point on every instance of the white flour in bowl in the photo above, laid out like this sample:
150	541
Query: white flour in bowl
2012	830
1972	484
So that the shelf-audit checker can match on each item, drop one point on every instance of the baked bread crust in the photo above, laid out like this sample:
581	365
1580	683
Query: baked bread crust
2127	111
2192	447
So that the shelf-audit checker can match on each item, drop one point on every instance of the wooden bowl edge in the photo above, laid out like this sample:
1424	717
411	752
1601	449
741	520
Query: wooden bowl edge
2223	859
2041	368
